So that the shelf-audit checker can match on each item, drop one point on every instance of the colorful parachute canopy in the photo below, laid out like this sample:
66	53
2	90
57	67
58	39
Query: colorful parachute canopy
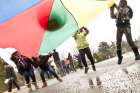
38	26
24	29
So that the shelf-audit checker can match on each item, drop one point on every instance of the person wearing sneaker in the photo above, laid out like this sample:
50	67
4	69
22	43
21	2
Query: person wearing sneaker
83	47
123	16
44	67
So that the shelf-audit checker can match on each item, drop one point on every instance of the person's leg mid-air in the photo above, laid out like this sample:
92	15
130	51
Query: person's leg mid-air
90	57
118	43
82	55
131	43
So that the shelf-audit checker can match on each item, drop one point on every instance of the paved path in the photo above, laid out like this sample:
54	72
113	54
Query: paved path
109	78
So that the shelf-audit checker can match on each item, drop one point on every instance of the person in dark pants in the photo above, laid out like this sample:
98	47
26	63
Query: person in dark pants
45	66
58	62
123	16
25	68
83	47
11	76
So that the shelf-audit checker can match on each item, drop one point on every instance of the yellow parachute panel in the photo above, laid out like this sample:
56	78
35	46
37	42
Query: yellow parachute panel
85	11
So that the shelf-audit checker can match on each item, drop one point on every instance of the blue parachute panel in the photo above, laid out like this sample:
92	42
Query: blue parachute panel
10	8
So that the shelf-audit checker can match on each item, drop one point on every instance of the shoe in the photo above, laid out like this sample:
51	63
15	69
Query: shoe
29	87
136	52
120	57
18	88
59	79
120	60
36	86
44	84
86	70
137	57
94	68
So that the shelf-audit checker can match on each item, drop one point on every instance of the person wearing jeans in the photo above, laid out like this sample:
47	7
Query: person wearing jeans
42	61
25	68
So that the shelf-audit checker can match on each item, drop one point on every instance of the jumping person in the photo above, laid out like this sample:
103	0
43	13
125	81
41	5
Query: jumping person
83	47
123	16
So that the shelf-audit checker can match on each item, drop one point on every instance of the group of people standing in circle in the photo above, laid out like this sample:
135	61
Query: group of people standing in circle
26	65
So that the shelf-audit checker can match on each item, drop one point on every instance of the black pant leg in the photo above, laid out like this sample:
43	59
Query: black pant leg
82	55
120	32
10	86
89	55
129	37
42	73
52	71
27	78
119	38
16	84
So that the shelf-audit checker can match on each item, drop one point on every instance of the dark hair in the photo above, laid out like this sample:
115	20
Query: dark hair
125	2
13	58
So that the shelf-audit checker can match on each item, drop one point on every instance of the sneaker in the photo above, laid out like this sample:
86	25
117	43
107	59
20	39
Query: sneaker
86	70
18	88
137	57
94	68
120	60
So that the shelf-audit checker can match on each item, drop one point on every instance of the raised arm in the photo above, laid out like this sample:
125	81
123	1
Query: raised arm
113	16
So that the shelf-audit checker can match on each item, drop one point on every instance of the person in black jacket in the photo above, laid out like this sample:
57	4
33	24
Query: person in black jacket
11	76
123	16
42	60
